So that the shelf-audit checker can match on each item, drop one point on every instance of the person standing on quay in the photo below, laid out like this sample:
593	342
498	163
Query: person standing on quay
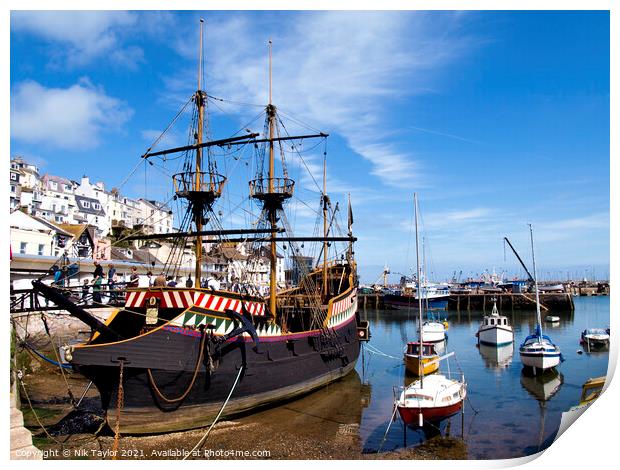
97	281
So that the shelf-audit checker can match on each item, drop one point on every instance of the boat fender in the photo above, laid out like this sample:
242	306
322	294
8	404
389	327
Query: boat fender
420	419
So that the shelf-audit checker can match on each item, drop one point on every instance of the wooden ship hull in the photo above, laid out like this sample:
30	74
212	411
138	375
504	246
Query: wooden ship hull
184	356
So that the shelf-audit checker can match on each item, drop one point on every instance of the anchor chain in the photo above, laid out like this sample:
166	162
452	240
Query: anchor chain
119	406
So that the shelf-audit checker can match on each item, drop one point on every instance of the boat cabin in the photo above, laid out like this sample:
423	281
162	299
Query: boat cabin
495	320
428	349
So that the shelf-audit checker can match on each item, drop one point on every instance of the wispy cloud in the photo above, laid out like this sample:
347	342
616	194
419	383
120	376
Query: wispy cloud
69	118
444	134
341	71
88	36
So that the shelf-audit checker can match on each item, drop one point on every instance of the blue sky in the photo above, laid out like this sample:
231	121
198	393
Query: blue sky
496	119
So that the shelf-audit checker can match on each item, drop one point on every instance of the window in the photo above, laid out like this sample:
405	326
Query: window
96	206
14	176
67	187
12	188
22	248
53	185
86	204
41	248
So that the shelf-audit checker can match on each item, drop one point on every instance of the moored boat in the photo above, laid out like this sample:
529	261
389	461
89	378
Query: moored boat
431	398
495	329
595	337
538	351
424	360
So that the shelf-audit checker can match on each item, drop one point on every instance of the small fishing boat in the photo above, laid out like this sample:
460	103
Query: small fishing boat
494	329
431	398
421	362
538	351
552	319
595	337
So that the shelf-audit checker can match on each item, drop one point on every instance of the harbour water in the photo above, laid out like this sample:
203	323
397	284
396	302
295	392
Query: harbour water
517	414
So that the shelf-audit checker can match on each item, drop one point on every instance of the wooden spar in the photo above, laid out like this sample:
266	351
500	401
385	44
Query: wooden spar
350	230
325	246
272	214
239	140
198	217
158	236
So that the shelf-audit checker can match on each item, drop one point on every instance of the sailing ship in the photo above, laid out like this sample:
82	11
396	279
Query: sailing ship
537	350
495	329
431	398
174	358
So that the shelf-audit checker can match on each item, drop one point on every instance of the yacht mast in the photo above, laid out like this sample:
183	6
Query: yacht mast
535	282
417	257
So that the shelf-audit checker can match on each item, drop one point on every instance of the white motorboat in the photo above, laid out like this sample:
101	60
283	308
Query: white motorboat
595	337
494	329
433	331
552	319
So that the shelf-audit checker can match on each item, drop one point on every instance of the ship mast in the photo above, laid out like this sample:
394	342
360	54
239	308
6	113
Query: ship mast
325	245
271	114
200	106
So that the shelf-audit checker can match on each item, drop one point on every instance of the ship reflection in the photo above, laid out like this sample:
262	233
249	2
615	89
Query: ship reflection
543	387
497	357
333	412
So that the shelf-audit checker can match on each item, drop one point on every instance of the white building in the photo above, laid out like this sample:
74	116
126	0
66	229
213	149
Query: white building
153	217
30	236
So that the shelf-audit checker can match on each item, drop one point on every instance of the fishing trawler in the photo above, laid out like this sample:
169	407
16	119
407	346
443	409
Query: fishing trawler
173	358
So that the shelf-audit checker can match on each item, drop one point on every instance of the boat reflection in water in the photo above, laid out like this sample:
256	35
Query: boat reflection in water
543	386
496	357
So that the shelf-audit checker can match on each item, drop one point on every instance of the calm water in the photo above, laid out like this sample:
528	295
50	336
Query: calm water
516	415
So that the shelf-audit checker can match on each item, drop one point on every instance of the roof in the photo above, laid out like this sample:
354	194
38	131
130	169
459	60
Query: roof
53	226
21	220
154	204
140	256
60	180
86	204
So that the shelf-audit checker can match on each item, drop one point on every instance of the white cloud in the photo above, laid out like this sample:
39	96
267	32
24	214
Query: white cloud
340	71
85	35
69	118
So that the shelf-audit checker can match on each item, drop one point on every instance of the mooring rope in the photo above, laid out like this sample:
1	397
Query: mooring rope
204	438
36	417
373	350
191	385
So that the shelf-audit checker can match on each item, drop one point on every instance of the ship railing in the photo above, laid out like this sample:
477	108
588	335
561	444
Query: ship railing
28	300
201	181
259	188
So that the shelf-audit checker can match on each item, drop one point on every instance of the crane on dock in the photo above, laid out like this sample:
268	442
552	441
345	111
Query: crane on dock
531	279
